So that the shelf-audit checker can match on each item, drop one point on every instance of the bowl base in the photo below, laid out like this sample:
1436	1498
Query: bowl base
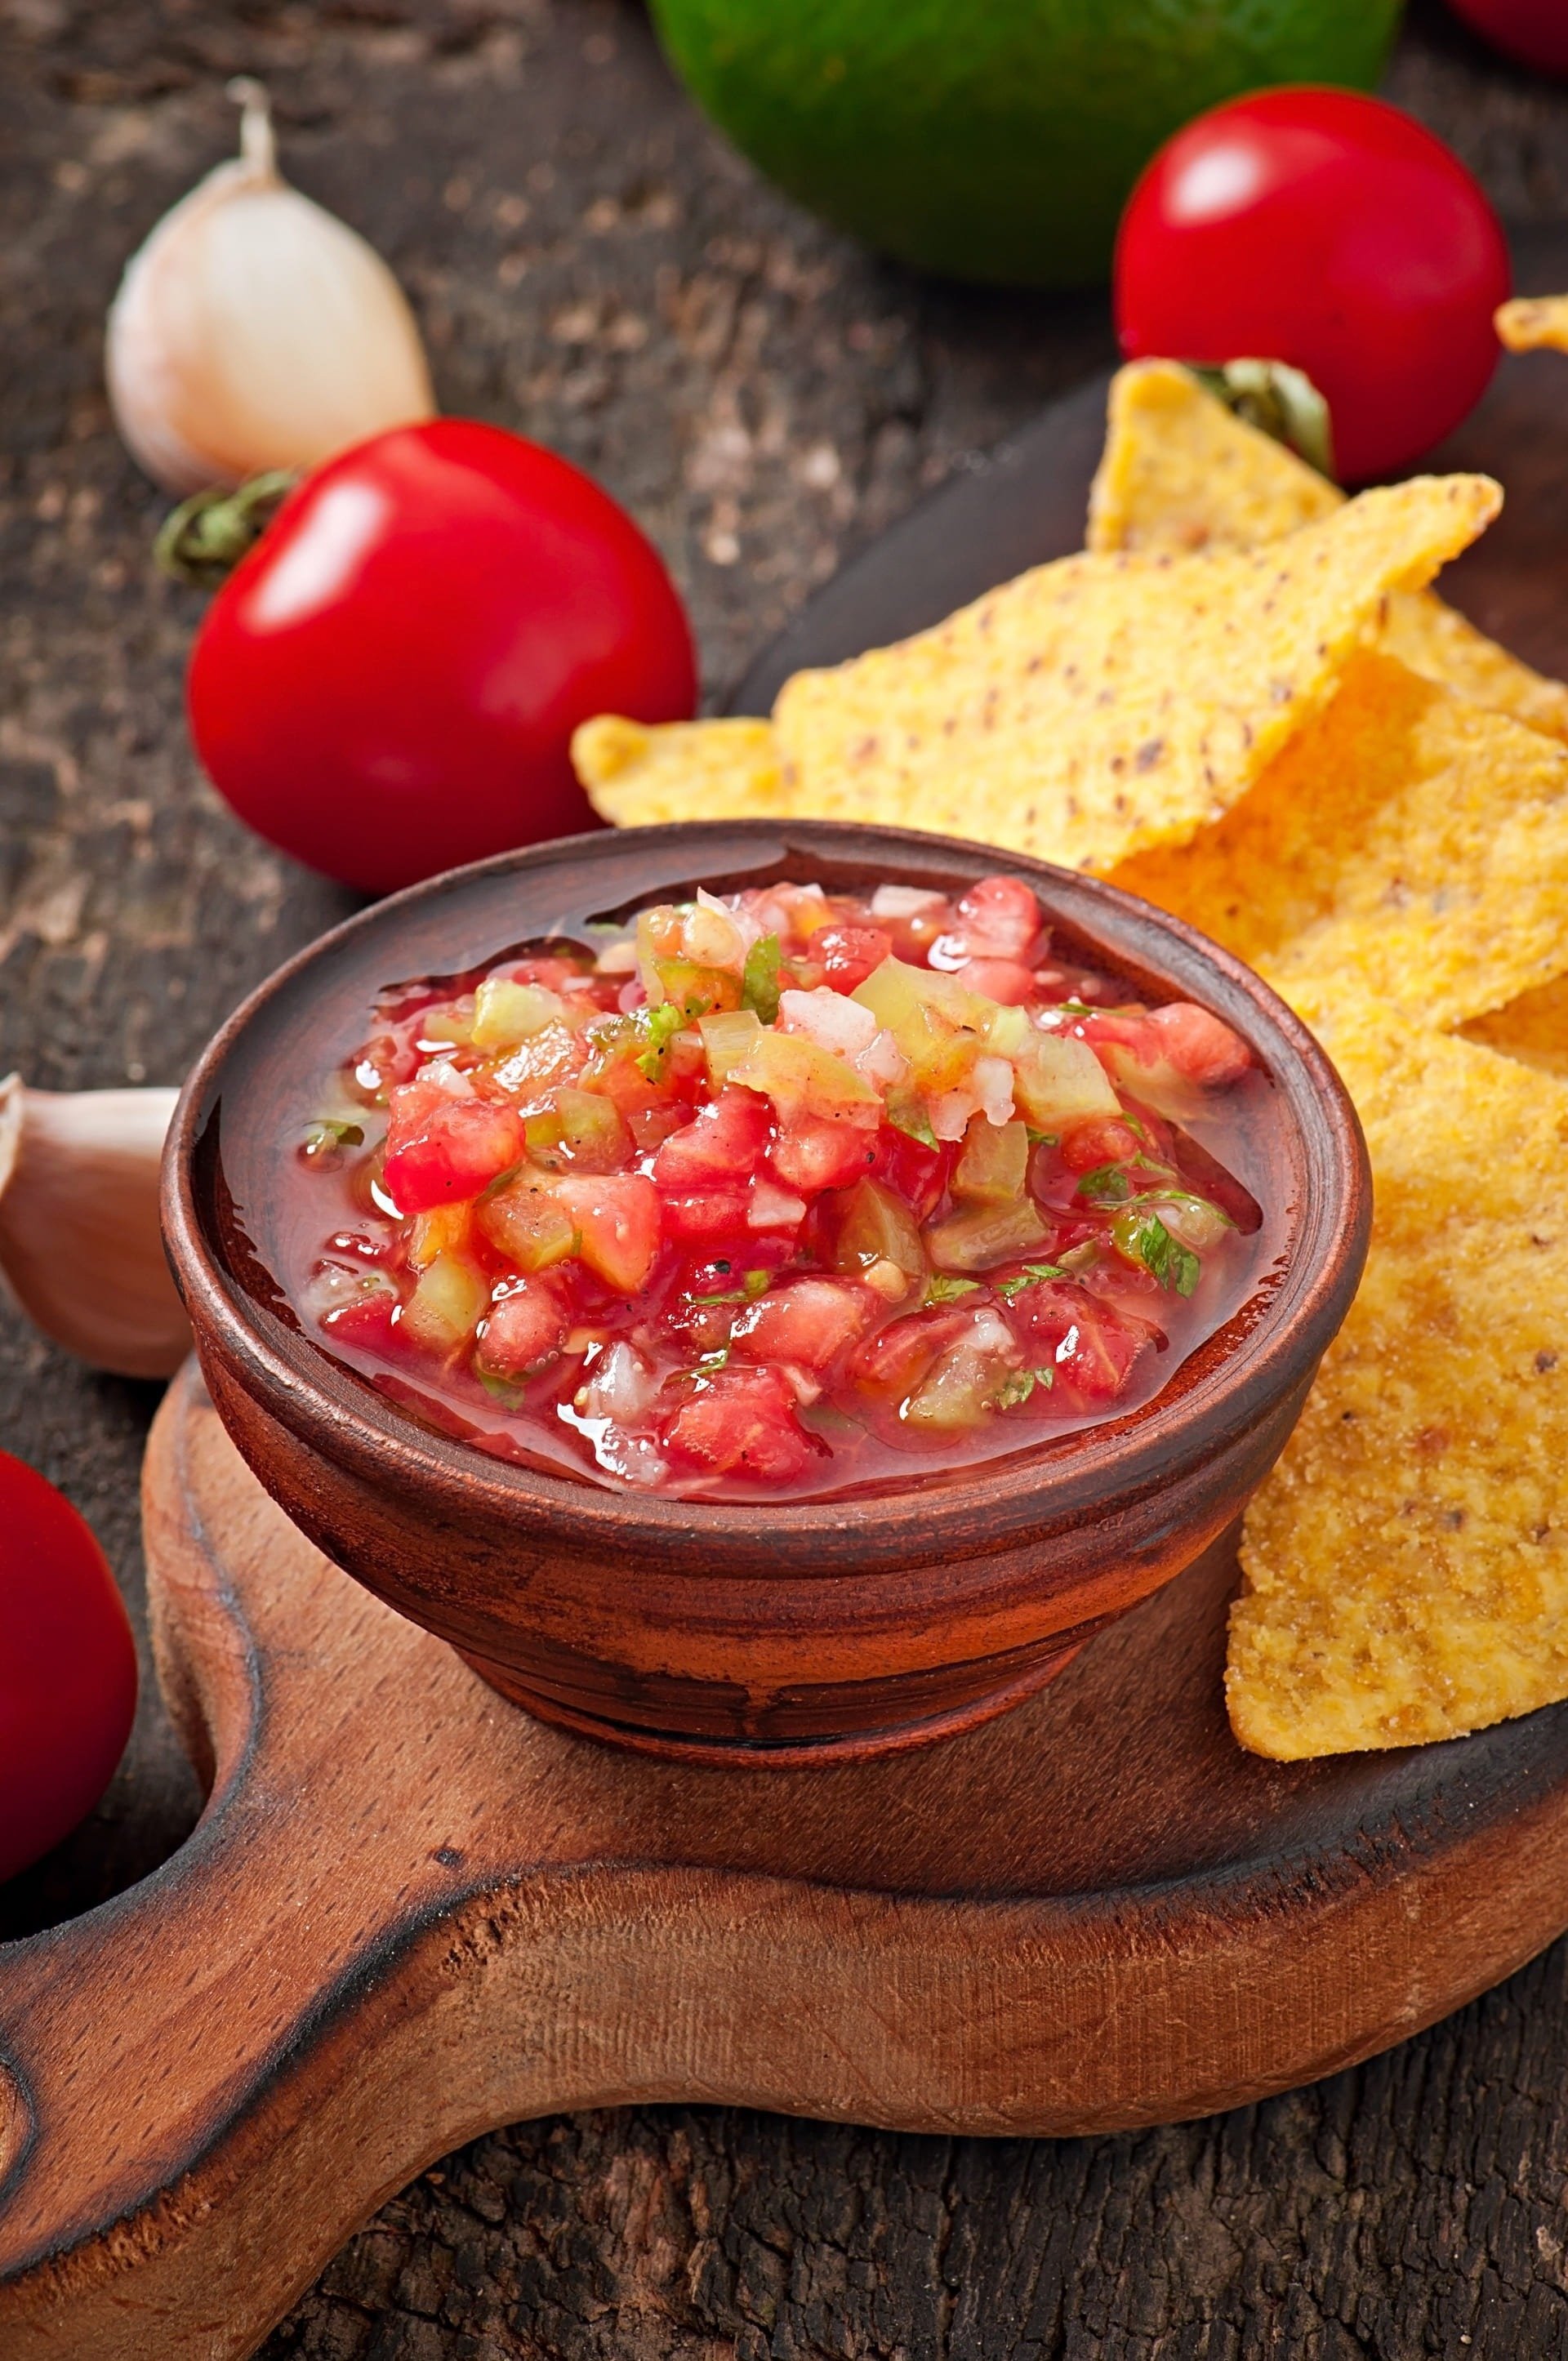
732	1752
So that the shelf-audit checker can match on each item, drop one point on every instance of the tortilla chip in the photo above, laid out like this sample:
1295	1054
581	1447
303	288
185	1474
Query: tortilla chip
1533	324
1533	1028
1180	471
638	774
1100	705
1407	842
1433	640
1407	1561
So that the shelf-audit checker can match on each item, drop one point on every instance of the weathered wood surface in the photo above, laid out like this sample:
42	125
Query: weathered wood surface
592	266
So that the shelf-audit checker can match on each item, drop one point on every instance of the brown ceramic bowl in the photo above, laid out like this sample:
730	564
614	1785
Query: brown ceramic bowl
722	1632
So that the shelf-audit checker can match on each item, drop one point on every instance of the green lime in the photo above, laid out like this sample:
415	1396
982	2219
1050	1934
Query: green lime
993	139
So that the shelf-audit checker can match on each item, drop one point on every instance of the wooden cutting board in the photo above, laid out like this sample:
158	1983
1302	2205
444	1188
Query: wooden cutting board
410	1913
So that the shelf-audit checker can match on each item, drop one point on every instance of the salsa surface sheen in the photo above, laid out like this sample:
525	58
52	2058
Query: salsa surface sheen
776	1195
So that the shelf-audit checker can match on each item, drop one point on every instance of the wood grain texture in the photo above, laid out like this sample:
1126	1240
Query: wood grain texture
732	370
409	1912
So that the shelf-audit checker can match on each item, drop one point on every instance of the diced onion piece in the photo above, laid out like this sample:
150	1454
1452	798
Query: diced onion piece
884	1062
830	1019
903	901
772	1208
622	1385
994	1089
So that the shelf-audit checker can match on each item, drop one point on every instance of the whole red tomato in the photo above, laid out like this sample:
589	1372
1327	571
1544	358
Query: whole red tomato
1534	31
1329	230
389	682
68	1668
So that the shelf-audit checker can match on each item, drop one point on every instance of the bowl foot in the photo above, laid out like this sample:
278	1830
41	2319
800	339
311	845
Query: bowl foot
784	1754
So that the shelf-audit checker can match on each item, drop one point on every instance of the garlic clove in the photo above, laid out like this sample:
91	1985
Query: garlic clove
253	330
80	1240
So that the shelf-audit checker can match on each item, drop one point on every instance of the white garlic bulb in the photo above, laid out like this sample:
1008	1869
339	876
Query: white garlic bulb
254	331
80	1241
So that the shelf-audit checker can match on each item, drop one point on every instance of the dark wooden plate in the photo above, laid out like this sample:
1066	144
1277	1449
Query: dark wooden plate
409	1912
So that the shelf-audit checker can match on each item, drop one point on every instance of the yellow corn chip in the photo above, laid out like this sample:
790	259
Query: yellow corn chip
1180	471
638	774
1406	841
1407	1563
1533	1028
1532	323
1100	705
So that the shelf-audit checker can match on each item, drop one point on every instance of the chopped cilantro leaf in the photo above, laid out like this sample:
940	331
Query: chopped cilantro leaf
1165	1258
1107	1185
1043	1138
506	1390
1030	1276
753	1283
760	982
942	1288
330	1131
660	1025
1019	1384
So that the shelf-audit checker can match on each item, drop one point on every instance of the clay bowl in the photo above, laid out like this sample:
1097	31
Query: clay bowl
808	1631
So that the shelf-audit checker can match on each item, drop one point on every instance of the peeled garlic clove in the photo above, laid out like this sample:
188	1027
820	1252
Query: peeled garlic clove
80	1241
254	331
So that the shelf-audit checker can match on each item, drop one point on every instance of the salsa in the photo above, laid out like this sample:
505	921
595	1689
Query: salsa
779	1191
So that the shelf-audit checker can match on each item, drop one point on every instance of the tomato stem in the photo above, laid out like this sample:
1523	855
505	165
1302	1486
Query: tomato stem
204	538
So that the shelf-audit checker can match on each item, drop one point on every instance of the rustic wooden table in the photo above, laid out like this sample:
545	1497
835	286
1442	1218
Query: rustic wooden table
592	266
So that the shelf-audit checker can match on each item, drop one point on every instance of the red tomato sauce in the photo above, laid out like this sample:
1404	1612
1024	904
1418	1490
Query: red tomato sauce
778	1193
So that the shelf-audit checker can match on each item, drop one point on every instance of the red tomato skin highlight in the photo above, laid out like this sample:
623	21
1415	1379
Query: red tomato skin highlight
1533	31
68	1668
1331	231
388	684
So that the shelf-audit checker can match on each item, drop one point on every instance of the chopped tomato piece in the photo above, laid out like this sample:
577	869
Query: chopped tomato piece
440	1146
618	1223
738	1423
707	1216
895	1360
813	1152
524	1329
1101	1140
1007	981
1084	1341
724	1141
848	954
806	1322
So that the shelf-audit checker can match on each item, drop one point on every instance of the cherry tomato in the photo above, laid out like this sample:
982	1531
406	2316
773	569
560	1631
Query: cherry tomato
68	1668
388	684
1328	230
1534	31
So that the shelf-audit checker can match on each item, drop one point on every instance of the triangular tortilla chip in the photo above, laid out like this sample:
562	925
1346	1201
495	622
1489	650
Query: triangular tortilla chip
1406	841
1407	1561
1533	324
1180	471
638	774
1100	705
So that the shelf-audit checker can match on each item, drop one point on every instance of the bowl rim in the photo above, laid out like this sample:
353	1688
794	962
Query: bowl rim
1225	1388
